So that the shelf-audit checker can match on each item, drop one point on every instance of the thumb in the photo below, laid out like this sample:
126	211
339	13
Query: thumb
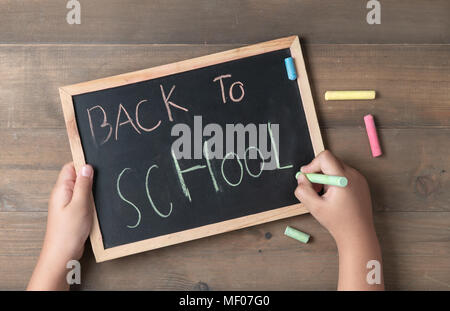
83	185
306	194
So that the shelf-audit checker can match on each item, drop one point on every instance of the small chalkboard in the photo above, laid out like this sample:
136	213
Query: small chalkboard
194	148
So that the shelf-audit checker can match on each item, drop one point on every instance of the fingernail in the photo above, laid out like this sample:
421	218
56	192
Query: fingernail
300	178
86	171
301	168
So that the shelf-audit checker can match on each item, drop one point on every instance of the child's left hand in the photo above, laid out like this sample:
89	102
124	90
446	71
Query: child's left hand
68	225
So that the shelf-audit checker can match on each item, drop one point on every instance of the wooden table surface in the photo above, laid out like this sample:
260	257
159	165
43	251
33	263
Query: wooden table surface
405	59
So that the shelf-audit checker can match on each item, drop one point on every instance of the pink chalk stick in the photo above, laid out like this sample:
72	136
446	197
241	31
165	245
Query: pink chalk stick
373	137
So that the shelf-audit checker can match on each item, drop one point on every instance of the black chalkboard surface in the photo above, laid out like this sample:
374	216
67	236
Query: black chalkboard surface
144	190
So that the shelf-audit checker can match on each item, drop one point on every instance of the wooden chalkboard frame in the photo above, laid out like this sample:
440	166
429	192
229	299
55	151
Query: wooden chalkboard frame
67	92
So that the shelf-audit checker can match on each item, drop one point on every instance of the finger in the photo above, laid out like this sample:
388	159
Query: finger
318	187
306	194
63	190
326	163
83	186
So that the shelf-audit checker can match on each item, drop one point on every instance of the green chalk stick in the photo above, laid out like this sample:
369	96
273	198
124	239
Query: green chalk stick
296	234
325	179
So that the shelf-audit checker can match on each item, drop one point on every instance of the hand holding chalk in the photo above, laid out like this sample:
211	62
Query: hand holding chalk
325	179
346	211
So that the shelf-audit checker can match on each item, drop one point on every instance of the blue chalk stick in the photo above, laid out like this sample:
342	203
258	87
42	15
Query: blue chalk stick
290	68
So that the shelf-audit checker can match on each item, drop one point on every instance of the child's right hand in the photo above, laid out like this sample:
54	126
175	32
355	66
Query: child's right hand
345	212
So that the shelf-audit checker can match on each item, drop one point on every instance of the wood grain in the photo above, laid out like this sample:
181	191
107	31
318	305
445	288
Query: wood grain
181	66
40	52
235	21
415	249
412	82
412	175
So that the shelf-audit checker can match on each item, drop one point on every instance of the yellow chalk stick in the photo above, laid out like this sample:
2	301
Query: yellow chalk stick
349	95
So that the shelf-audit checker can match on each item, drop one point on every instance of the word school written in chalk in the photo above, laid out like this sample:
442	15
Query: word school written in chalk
211	166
